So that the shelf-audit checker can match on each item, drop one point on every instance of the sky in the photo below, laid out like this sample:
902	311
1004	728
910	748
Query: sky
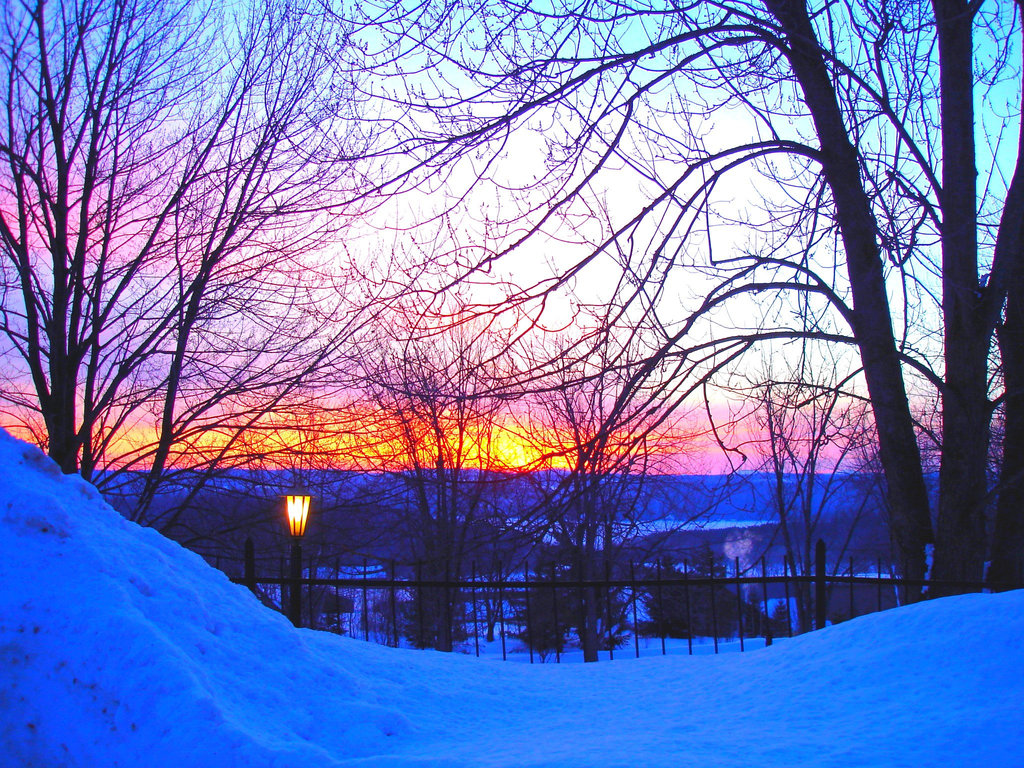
122	649
406	227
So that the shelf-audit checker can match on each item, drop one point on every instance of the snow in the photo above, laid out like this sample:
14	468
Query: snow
120	648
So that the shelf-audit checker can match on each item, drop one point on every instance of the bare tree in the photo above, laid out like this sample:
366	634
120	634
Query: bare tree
846	135
812	438
169	172
601	428
428	415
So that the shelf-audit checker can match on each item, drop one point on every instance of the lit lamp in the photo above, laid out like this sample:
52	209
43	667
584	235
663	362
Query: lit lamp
297	506
297	509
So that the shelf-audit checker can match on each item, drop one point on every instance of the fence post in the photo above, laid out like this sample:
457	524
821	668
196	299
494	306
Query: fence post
714	610
448	641
554	610
739	603
686	596
767	612
878	586
632	592
366	607
608	607
476	631
295	598
250	564
337	595
853	602
419	603
529	619
820	591
661	611
282	571
501	611
789	605
394	606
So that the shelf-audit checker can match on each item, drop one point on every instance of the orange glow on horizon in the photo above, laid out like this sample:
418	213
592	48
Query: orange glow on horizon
380	442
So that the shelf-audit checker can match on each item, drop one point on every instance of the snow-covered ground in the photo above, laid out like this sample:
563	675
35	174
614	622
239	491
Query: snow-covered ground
119	648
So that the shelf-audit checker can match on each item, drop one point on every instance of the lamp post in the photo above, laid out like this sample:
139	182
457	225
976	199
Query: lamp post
297	509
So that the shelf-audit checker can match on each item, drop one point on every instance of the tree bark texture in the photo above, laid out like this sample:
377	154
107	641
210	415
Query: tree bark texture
1007	551
871	317
960	526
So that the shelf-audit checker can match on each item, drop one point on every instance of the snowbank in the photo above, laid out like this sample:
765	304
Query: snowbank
120	648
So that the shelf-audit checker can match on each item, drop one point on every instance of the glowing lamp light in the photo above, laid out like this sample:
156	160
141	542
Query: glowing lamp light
297	507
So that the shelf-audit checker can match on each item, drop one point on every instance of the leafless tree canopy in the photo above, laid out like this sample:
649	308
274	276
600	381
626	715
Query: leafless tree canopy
881	210
708	181
169	173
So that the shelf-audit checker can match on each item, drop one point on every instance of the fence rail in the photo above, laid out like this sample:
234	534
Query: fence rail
548	613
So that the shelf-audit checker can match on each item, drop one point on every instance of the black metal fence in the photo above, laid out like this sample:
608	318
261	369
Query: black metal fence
546	614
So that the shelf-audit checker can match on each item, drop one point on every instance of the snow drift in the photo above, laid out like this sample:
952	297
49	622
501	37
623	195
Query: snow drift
120	648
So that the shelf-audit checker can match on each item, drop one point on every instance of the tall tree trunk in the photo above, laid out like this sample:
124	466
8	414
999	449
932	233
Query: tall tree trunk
1007	558
59	417
1007	555
870	318
960	528
587	612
